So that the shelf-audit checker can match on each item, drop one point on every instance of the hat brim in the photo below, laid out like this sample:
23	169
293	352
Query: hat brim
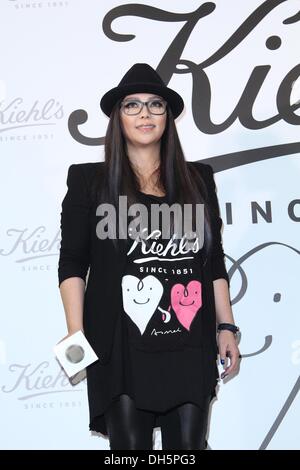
173	99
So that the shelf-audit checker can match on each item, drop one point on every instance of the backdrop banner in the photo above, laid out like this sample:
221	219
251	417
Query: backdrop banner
236	65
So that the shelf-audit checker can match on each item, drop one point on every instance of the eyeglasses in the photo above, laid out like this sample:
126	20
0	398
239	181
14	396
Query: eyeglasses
134	107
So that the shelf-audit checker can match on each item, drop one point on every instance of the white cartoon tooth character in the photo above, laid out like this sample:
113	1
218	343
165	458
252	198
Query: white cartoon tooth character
141	298
166	316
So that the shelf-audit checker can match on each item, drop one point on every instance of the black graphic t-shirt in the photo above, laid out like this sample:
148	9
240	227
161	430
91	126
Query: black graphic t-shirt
162	290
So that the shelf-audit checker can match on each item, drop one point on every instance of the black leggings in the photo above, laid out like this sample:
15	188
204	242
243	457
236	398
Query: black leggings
182	428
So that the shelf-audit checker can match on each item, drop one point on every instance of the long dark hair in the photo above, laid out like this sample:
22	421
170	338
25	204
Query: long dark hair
181	182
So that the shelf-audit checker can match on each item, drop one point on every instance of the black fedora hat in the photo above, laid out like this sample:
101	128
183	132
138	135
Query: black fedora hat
142	78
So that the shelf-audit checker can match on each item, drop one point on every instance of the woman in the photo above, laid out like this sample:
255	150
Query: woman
151	303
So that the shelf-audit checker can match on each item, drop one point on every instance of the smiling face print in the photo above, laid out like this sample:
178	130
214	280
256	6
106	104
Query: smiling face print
141	298
186	301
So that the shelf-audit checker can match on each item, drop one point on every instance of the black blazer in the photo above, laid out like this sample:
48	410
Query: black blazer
97	262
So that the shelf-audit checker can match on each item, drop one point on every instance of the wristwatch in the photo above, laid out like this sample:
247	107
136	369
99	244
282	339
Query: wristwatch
228	326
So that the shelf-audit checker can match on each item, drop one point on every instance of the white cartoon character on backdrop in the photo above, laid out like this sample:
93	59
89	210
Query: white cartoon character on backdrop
266	391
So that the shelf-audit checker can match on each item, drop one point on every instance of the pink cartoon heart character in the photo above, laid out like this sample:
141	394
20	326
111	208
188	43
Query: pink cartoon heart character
186	301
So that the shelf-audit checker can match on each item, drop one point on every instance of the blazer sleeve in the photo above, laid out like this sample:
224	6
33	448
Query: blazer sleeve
217	254
74	256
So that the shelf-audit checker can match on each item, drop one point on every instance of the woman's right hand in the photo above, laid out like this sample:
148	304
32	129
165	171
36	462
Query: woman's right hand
69	334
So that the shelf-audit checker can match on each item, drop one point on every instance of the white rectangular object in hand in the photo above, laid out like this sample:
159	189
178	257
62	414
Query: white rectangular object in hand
75	353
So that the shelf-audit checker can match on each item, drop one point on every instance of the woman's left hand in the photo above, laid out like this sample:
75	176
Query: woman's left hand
228	349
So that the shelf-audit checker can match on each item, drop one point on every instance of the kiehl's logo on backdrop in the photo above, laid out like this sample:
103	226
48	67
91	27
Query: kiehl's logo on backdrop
16	114
33	380
21	5
202	94
28	245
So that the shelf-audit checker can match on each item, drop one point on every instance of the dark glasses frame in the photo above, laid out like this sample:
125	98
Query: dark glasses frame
143	103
